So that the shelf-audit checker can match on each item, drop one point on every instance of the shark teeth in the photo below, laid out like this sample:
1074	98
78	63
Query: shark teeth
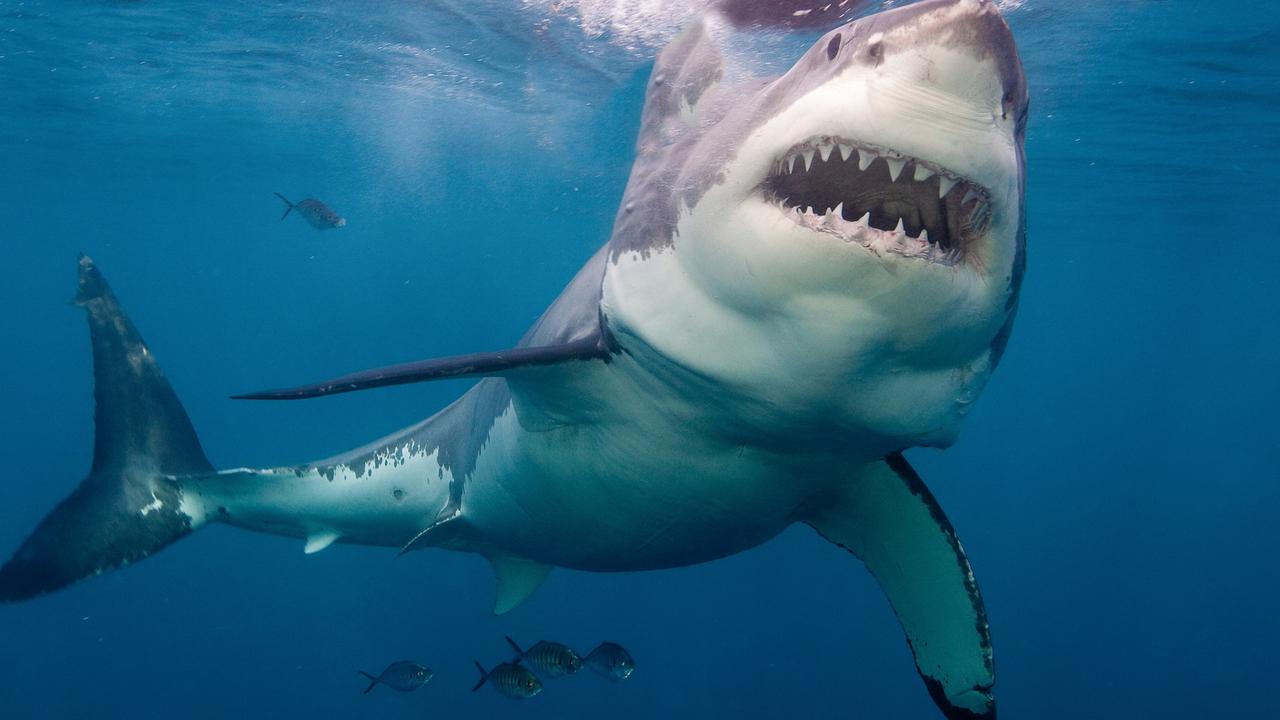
895	167
903	205
861	232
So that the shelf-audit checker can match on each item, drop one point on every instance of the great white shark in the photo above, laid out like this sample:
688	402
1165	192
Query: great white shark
808	275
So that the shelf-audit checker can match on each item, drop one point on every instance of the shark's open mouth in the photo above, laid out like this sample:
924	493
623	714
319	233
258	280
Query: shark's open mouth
879	198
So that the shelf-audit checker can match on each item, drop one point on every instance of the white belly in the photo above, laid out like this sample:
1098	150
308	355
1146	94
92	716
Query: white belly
634	487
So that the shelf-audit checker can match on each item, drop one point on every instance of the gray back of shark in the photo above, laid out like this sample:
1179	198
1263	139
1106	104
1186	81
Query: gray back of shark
809	274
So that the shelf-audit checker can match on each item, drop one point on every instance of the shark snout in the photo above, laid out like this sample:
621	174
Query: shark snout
935	29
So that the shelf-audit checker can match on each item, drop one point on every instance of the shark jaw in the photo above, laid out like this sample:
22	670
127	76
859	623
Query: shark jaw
895	142
880	199
898	134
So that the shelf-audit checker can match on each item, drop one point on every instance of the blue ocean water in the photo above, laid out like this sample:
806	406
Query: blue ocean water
1115	488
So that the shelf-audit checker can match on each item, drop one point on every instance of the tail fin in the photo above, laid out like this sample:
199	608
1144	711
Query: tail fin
484	675
514	646
286	202
129	506
373	681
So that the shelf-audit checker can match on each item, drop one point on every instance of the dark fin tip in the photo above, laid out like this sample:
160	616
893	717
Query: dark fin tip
89	282
954	712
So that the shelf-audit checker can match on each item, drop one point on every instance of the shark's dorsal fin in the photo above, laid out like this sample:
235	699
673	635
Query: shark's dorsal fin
789	14
682	74
488	364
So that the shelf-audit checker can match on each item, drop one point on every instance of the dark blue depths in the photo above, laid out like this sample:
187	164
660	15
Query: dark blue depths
1115	488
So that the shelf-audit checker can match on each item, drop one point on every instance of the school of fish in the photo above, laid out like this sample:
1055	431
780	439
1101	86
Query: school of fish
516	678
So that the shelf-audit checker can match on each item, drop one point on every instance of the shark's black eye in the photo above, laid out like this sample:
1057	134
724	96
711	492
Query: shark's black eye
833	47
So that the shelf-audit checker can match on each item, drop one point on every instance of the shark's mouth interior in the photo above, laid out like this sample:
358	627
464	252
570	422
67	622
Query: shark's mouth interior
879	198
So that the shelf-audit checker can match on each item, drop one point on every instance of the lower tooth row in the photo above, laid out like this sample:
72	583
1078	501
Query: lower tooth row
833	219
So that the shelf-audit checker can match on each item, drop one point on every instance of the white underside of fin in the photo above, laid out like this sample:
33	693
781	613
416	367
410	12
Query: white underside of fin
319	541
888	518
517	578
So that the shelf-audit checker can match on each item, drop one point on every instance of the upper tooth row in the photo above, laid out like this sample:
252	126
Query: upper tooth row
895	161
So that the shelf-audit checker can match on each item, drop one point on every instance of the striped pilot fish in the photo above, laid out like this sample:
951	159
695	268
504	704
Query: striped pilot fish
551	659
404	675
612	661
321	216
510	680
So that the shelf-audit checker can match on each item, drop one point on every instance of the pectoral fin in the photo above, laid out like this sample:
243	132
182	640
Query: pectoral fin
517	578
890	520
489	364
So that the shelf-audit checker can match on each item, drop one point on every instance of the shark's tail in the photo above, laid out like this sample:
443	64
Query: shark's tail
130	505
288	209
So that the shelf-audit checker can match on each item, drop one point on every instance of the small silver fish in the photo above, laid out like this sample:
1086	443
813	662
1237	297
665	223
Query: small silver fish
612	661
402	675
552	659
510	680
321	216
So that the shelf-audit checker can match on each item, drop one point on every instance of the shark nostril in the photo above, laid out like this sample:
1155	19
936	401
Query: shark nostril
833	47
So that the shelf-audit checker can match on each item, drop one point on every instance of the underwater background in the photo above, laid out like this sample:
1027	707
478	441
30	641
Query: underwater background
1115	489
